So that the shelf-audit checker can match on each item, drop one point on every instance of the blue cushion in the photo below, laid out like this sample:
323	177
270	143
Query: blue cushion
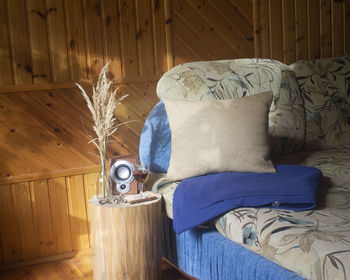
155	141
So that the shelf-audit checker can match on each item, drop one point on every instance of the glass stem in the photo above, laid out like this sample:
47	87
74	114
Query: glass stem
141	188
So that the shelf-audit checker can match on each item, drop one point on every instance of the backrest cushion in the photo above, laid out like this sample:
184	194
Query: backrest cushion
325	87
227	79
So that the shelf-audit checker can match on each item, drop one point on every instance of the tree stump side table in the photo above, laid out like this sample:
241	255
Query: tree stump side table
126	240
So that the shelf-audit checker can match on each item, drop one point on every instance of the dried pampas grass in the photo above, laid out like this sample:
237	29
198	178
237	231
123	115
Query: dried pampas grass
102	106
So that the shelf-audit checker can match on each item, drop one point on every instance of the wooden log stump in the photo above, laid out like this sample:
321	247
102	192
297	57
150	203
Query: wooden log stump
126	240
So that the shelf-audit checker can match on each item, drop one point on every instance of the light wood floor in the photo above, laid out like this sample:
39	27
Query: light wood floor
77	268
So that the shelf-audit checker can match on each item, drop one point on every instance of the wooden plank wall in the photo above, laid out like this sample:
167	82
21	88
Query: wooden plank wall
45	217
49	130
51	41
211	29
291	30
47	168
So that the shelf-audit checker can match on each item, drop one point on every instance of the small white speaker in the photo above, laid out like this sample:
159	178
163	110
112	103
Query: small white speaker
121	173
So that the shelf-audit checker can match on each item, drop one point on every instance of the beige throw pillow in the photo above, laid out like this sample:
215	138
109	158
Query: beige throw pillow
219	135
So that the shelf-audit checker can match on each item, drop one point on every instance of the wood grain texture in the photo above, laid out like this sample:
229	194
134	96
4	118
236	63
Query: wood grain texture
57	40
126	241
264	29
326	28
347	26
111	36
128	35
289	31
24	217
45	41
74	15
301	29
42	218
209	30
145	38
77	212
10	243
51	129
19	42
38	40
310	29
337	28
90	180
93	40
163	46
60	215
5	53
314	29
276	34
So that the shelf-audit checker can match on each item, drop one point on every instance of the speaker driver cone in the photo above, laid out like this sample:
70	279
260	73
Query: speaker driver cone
121	173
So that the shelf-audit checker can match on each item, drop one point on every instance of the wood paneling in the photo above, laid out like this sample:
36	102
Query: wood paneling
38	41
60	215
61	40
10	244
301	29
49	130
5	58
314	34
77	212
276	34
57	40
209	30
43	218
326	28
24	218
17	14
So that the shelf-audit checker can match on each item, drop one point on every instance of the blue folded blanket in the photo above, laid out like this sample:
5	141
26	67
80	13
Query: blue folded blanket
200	199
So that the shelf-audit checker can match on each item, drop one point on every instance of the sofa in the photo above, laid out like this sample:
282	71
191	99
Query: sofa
309	124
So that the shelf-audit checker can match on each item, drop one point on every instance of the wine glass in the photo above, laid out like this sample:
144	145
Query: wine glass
141	174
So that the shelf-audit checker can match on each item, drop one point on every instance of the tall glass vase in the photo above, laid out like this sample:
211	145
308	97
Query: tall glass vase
103	184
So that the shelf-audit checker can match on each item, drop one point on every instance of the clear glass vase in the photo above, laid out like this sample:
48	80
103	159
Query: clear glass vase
103	183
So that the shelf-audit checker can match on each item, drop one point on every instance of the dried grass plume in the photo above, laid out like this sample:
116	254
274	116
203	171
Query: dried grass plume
102	106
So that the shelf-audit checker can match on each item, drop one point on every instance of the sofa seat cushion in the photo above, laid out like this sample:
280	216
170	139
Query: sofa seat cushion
325	87
314	244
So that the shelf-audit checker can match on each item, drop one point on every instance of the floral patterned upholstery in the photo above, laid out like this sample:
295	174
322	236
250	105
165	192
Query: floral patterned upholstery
243	77
314	244
325	86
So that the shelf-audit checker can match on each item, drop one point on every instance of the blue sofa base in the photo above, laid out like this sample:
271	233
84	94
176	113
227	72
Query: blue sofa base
207	255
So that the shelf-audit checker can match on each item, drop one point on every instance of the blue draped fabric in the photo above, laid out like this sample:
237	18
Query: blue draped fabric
200	199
